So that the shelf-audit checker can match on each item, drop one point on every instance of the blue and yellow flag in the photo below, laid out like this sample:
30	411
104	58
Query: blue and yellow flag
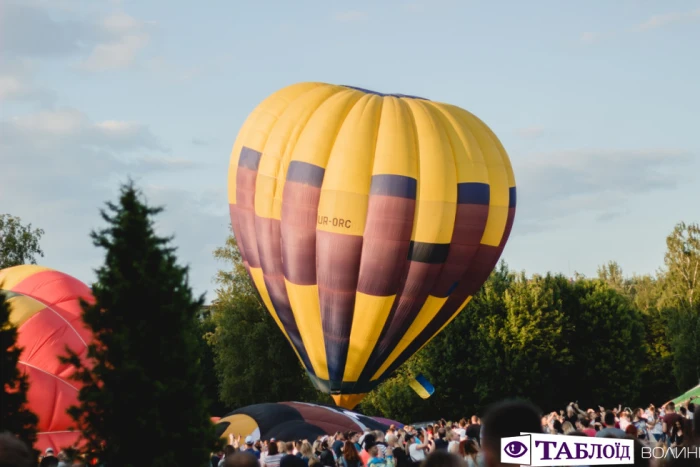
422	386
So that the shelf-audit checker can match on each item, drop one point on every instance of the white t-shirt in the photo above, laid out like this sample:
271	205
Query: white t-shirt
624	423
453	447
417	455
273	460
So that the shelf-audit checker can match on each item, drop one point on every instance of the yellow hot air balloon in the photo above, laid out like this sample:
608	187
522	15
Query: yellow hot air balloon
366	221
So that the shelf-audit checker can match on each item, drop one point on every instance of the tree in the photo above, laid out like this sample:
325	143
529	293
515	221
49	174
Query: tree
657	384
547	338
143	400
253	359
606	338
15	416
19	244
680	304
206	330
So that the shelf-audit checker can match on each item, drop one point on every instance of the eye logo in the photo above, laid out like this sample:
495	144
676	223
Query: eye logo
515	449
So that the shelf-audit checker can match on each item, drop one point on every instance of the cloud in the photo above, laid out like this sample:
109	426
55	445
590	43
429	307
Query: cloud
531	132
66	126
350	16
555	187
19	86
65	166
659	21
29	30
654	22
128	37
200	142
415	7
590	37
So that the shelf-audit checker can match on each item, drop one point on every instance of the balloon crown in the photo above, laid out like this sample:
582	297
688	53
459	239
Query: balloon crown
385	95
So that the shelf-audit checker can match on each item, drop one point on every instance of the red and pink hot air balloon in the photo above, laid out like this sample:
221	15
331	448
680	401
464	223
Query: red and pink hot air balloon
45	307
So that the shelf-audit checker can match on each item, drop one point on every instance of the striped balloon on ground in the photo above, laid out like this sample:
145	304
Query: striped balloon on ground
45	307
367	221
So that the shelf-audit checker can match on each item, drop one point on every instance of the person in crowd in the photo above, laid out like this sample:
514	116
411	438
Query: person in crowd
503	420
418	448
691	408
584	426
350	457
368	441
241	459
556	427
610	429
440	442
377	460
49	459
677	434
338	444
380	442
354	438
229	451
297	448
669	419
274	456
469	451
326	456
63	459
307	452
473	431
655	424
399	447
443	459
453	437
290	459
625	419
462	429
567	428
640	423
14	452
250	447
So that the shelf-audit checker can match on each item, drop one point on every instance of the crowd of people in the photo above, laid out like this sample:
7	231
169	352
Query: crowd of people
471	443
467	443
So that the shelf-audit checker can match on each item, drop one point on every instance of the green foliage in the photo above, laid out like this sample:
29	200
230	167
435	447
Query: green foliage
143	400
253	359
15	416
205	331
548	339
679	302
19	244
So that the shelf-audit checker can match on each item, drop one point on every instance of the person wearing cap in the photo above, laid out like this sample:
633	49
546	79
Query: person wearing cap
249	447
49	458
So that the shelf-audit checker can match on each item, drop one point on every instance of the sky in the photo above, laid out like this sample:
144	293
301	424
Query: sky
596	102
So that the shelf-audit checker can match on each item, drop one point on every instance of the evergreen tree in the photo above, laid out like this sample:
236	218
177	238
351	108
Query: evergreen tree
143	402
15	416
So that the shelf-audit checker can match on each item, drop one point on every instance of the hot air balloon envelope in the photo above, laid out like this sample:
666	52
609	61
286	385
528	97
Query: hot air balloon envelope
366	221
286	421
45	306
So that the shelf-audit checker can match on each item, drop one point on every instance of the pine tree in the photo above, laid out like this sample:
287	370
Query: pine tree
143	402
15	416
